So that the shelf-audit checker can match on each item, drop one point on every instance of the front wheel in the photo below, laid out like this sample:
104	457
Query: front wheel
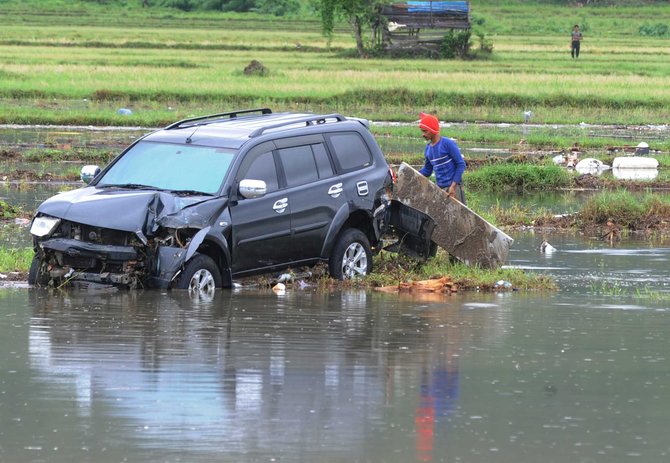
200	276
37	275
351	256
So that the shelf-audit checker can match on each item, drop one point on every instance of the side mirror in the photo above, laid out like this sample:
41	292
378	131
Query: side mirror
88	173
250	188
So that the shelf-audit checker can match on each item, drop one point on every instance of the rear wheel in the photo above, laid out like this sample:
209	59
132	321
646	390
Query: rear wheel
37	275
200	276
351	256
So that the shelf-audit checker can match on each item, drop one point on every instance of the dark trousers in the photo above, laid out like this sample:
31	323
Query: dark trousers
575	49
460	195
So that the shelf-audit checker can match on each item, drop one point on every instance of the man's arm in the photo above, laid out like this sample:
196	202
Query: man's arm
427	168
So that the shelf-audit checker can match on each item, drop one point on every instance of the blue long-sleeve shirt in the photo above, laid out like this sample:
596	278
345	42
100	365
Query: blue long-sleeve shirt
445	159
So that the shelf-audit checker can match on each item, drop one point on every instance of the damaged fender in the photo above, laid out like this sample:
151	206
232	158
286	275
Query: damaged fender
172	259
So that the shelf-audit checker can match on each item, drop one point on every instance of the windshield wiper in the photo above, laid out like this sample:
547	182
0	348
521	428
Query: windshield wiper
129	186
190	193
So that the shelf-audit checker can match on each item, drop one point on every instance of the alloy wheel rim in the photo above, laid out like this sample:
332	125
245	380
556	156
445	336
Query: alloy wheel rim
202	283
355	261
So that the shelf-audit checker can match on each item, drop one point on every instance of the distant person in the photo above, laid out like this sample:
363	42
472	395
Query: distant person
576	40
442	157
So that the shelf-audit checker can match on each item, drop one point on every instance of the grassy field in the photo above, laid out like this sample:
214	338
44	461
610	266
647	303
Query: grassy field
70	63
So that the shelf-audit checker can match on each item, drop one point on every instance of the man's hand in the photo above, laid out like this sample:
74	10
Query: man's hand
452	190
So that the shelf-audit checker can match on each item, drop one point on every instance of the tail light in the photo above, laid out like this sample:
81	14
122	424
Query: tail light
392	174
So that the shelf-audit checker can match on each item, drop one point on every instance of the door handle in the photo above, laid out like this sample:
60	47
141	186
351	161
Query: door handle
335	190
362	188
280	205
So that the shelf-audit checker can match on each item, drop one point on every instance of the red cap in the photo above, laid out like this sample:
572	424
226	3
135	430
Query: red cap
429	123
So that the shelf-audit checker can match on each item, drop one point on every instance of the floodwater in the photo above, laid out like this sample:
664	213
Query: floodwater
580	375
577	375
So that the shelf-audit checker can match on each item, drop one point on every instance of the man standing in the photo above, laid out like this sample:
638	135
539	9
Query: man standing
576	40
442	157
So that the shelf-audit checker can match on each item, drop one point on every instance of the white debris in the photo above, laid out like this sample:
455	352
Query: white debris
546	247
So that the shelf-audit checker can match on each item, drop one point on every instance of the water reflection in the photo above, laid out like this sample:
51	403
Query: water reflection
253	373
588	265
332	376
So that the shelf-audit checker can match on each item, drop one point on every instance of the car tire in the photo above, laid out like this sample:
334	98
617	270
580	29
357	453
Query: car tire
351	256
200	275
36	274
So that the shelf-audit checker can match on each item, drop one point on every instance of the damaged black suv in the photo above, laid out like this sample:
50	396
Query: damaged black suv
211	198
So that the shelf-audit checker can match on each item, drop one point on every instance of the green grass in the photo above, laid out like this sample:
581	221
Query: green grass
15	260
390	269
102	156
539	138
618	209
7	211
76	63
519	177
626	209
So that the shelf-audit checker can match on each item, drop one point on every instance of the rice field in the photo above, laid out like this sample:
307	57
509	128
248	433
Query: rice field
78	63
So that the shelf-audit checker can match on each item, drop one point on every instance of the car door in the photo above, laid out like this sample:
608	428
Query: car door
354	164
314	192
261	227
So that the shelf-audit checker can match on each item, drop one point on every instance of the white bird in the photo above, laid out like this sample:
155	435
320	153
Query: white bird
526	116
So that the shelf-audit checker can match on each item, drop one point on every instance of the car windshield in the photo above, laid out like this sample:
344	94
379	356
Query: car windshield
169	166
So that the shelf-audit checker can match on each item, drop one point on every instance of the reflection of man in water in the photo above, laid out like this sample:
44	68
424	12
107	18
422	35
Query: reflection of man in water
438	396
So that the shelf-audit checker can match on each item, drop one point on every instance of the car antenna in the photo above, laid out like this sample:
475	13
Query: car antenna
188	139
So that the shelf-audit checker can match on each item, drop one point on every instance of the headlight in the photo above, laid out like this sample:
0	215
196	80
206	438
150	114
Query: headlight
43	225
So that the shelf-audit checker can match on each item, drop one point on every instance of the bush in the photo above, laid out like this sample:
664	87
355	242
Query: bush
456	44
485	44
654	30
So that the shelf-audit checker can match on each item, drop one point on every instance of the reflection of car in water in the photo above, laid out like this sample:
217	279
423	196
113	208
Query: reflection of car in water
211	198
211	375
255	374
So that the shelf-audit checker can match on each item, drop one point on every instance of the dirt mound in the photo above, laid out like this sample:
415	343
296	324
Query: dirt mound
255	68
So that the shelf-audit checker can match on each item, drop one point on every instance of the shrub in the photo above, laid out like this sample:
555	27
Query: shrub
456	44
654	30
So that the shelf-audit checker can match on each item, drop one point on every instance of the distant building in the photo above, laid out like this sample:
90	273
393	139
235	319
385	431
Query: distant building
423	24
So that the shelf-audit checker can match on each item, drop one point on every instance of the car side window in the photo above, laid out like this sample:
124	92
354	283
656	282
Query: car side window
322	161
351	151
299	165
263	168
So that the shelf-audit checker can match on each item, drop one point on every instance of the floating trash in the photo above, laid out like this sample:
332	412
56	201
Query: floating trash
642	148
591	166
546	247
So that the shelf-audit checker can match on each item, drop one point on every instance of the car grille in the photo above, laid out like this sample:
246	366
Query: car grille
97	235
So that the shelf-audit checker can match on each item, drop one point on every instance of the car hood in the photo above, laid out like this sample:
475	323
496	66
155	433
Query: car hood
131	210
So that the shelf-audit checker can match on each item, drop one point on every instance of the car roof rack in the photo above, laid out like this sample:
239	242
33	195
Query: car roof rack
307	120
215	118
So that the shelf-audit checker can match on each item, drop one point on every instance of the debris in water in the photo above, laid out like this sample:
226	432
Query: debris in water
279	288
502	284
642	148
443	285
546	247
612	232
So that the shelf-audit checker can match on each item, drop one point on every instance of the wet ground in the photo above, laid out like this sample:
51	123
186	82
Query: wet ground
577	375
